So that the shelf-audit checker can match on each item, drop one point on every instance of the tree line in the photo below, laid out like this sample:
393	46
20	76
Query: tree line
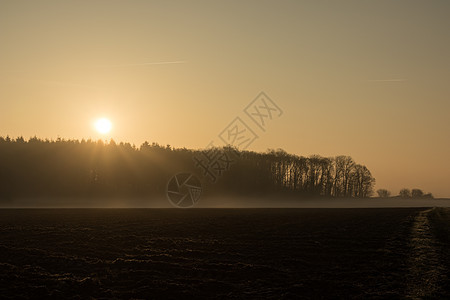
405	193
72	168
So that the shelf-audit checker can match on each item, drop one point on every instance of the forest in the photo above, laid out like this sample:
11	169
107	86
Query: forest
87	168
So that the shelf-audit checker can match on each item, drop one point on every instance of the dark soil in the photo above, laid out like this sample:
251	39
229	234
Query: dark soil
220	253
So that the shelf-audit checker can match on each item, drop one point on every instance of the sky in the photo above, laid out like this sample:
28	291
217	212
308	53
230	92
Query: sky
368	79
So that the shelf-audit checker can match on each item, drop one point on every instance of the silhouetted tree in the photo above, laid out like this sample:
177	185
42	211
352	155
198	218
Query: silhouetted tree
405	193
383	193
86	168
416	193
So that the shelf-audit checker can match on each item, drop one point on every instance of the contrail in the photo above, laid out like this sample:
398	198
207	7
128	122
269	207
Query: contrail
61	83
165	62
386	80
148	64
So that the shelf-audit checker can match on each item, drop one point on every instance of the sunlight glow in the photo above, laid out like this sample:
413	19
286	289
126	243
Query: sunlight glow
103	125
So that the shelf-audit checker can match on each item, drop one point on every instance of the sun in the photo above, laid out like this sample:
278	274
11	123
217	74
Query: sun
103	125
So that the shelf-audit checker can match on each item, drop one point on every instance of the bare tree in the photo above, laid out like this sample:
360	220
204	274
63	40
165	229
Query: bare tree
344	167
383	193
405	193
416	193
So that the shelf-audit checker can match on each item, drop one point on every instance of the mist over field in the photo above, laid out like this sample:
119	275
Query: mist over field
228	202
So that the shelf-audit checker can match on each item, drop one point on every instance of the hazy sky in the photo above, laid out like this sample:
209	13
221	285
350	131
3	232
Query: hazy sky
369	79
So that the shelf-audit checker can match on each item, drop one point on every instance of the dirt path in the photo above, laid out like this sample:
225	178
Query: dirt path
425	269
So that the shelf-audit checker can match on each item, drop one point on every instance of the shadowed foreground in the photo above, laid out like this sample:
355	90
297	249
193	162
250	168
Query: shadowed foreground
225	253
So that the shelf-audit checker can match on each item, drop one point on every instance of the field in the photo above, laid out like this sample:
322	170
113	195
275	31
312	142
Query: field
224	253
